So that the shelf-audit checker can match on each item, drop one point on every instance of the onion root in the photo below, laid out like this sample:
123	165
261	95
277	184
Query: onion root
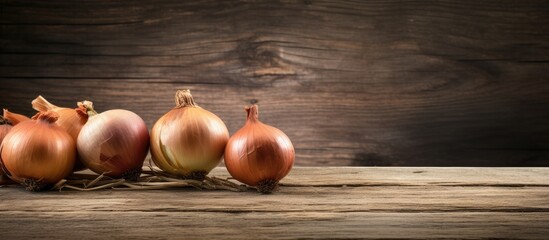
146	179
34	185
267	186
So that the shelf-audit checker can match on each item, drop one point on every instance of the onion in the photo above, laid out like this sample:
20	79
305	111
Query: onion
14	118
258	154
5	127
38	153
188	141
72	120
114	143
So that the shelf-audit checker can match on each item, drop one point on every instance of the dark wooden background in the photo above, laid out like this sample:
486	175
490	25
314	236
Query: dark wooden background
448	83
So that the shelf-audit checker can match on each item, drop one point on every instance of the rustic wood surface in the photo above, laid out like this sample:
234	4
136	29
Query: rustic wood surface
333	203
448	83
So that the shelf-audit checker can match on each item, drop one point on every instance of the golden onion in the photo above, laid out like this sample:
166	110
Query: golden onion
38	153
188	141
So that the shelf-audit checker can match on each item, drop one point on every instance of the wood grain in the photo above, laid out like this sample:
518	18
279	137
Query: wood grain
445	83
330	203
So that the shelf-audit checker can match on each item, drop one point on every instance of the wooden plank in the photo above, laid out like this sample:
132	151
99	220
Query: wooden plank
413	176
321	189
408	203
290	199
253	225
376	83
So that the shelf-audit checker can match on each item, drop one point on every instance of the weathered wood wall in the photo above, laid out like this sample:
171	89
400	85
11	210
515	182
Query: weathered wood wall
351	82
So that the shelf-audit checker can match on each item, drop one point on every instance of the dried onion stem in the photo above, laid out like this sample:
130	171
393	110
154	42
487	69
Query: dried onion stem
150	179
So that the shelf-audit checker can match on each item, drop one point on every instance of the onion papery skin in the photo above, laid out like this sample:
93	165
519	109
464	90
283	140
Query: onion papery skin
258	154
72	120
38	153
5	127
114	143
14	118
188	141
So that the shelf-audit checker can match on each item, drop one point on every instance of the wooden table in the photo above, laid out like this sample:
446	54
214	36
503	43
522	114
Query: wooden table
350	202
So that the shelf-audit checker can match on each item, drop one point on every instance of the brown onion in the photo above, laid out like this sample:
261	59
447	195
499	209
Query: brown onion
11	119
72	120
38	153
258	154
14	118
114	142
5	127
188	141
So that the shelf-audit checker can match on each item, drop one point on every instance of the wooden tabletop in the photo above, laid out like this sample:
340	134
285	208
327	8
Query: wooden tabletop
349	202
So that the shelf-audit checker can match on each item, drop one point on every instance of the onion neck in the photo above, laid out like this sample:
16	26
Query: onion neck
14	118
253	113
183	98
41	104
87	107
47	116
82	112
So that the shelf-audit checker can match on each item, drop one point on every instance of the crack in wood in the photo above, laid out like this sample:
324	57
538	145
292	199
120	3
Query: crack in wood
241	211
